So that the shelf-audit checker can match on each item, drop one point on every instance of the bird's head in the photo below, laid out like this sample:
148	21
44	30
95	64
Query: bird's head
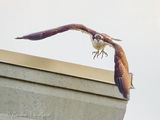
98	40
97	37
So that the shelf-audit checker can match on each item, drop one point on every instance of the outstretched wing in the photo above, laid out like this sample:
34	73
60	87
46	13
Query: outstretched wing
121	73
48	33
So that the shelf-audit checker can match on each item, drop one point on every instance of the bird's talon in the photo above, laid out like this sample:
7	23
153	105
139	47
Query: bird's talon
93	52
96	54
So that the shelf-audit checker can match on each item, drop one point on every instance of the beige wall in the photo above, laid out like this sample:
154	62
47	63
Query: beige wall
32	93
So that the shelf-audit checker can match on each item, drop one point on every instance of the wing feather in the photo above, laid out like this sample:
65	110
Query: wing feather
47	33
121	74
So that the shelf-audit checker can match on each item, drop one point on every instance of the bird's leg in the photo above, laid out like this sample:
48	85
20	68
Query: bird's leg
96	54
103	52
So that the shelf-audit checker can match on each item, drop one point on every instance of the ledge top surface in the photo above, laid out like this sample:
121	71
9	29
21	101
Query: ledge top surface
56	66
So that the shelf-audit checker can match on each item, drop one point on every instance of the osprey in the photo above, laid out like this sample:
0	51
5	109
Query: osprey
99	42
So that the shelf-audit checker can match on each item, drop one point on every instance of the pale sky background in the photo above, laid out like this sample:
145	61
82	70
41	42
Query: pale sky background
136	22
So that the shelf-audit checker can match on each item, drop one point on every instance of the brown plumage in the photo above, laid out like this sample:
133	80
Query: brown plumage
121	72
54	31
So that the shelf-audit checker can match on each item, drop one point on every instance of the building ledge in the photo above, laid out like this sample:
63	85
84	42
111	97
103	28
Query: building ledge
56	66
39	88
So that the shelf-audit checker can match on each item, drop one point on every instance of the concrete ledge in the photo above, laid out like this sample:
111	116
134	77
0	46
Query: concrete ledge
56	66
34	88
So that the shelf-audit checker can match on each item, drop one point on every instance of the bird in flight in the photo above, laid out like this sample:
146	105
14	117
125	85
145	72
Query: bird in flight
99	42
99	45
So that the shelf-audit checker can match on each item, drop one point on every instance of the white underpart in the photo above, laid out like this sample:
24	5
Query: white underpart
99	44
